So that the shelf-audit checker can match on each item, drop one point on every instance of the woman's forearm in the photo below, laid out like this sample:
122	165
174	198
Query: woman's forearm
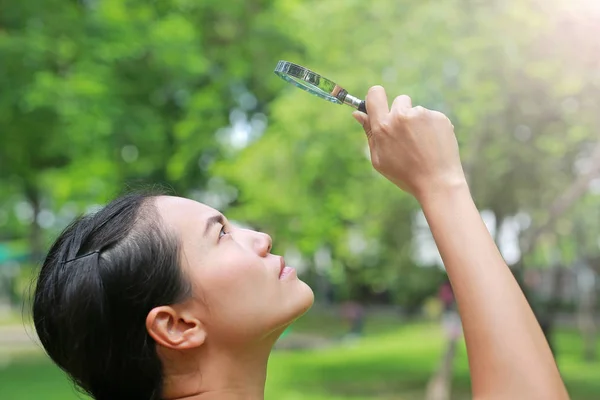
508	354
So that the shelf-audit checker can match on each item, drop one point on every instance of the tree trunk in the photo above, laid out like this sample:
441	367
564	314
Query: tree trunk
440	384
588	328
563	203
552	306
36	243
585	312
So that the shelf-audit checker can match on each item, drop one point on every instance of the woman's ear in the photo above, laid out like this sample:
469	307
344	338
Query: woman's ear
175	329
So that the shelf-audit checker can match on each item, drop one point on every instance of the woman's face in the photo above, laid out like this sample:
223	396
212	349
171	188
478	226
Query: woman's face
241	291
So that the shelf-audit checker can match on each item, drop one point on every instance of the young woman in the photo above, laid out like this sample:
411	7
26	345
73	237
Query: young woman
158	297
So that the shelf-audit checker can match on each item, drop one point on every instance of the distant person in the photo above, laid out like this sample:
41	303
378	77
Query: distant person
354	314
446	296
450	318
158	297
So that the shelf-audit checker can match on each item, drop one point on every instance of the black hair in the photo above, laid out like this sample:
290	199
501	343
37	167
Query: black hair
99	281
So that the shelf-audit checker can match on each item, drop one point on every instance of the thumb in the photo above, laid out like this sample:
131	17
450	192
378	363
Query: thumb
363	119
360	117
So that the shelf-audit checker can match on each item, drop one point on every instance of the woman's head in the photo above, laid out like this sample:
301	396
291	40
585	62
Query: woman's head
153	273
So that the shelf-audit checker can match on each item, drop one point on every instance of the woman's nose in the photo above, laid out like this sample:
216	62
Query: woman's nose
263	243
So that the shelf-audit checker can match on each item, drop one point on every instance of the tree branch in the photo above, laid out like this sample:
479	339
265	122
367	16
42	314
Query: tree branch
564	202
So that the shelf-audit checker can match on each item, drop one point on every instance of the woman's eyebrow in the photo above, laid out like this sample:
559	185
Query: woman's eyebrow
215	219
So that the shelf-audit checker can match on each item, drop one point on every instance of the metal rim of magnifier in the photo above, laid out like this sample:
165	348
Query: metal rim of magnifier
317	85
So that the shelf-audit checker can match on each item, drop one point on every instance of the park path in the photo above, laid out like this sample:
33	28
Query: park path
16	338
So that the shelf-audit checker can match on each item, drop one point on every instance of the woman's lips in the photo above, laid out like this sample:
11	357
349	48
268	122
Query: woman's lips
284	270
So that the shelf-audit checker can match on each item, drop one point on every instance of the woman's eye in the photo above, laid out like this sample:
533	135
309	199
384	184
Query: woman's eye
222	232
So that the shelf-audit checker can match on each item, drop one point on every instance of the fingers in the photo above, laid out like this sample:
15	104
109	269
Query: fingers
402	103
363	119
377	104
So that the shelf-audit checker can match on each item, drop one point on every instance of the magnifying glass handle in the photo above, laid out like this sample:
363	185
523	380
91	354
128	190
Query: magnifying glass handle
355	102
362	107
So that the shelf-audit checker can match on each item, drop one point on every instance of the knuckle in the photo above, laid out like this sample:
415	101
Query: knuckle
442	117
376	163
400	114
438	115
419	110
414	113
375	88
383	126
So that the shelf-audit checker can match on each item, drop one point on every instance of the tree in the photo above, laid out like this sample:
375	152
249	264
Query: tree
497	69
99	94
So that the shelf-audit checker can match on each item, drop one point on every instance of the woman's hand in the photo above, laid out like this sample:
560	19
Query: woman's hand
413	147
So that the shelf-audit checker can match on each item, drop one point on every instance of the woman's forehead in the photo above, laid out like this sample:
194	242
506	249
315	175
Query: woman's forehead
179	212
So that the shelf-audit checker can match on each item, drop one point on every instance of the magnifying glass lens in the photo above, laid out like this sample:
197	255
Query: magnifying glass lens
317	85
312	89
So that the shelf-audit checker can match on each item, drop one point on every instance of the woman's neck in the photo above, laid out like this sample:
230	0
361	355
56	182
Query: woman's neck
217	374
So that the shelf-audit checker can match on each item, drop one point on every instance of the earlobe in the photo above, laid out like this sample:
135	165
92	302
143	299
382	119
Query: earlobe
174	330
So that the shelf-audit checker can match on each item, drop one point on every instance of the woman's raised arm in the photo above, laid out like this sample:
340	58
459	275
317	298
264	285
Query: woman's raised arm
416	149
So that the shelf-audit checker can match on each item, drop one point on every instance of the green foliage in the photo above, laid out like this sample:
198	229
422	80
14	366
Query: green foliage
101	95
131	90
507	90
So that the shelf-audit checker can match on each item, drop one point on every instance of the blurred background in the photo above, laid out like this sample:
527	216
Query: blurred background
101	96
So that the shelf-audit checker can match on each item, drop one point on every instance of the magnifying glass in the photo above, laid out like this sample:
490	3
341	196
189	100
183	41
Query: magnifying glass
315	84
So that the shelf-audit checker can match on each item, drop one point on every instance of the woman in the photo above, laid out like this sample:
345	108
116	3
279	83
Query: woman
162	298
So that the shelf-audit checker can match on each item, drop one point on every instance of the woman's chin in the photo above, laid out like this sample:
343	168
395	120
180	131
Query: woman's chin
300	302
307	299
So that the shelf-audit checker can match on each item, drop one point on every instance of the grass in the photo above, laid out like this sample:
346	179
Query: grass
389	365
393	361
